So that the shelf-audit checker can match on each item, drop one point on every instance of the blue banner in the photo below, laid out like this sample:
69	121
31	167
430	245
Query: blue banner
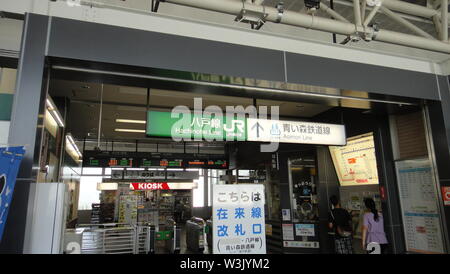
10	158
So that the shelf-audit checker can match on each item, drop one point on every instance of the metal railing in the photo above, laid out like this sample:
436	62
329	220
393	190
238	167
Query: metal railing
115	239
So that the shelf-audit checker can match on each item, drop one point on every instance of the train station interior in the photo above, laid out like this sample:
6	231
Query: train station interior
224	127
121	180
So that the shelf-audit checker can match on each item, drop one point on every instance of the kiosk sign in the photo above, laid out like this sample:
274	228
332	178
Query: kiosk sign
238	219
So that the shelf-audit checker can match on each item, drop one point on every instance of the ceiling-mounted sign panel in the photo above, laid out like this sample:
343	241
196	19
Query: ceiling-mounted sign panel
262	130
154	160
195	126
153	174
162	186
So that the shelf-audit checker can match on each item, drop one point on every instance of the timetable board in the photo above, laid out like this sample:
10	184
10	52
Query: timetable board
153	160
355	163
420	212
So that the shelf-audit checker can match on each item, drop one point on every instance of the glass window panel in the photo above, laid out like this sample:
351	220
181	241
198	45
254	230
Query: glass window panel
88	192
92	171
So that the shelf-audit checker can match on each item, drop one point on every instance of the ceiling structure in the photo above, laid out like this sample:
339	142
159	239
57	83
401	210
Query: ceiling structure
366	24
130	103
345	8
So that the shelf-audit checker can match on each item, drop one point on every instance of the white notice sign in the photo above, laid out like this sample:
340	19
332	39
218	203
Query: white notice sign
238	219
262	130
288	231
418	200
304	230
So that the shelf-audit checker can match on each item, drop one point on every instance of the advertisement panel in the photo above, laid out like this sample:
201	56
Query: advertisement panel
355	163
10	158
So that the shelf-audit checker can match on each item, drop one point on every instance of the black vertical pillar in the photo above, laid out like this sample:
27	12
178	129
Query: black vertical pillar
327	186
27	125
387	181
440	130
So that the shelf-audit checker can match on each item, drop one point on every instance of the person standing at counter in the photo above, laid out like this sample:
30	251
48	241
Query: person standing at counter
373	227
341	222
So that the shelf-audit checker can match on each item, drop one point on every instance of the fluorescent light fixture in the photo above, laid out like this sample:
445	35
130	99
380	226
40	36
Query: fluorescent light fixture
130	130
72	147
131	121
54	112
107	186
175	186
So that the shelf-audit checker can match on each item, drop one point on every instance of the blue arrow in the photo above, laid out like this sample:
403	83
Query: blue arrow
258	126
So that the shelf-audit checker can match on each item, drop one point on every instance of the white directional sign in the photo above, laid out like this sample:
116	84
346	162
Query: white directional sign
262	130
238	219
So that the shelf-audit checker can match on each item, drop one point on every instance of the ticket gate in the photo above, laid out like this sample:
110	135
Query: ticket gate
196	235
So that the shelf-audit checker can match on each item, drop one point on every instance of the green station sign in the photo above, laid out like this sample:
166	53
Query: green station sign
195	126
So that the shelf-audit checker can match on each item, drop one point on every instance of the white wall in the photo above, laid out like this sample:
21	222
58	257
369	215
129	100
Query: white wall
4	132
10	33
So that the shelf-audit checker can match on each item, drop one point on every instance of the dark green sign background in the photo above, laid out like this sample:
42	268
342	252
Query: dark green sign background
6	101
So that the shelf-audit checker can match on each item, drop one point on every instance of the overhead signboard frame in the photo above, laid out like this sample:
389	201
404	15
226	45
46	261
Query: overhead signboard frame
198	127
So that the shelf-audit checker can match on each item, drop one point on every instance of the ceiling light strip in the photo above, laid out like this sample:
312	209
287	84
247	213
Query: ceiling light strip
131	121
129	130
54	112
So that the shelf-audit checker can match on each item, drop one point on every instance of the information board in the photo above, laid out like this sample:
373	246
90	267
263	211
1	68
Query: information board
420	212
263	130
355	163
154	160
205	127
238	219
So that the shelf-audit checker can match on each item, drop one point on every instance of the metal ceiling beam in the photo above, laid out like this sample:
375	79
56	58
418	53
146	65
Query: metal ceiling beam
408	8
371	15
444	20
405	23
332	13
416	18
330	25
357	12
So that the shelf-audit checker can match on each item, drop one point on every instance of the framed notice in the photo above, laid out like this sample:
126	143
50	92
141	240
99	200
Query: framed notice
419	205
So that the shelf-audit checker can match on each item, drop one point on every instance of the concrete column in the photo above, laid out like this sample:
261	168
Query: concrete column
26	126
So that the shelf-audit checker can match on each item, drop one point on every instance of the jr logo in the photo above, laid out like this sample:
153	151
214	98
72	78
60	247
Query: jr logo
235	124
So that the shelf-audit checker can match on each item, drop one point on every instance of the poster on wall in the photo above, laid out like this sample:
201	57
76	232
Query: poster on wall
288	231
355	163
238	218
286	212
418	201
305	230
10	159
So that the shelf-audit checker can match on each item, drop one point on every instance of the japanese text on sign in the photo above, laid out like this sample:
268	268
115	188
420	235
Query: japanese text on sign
238	219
